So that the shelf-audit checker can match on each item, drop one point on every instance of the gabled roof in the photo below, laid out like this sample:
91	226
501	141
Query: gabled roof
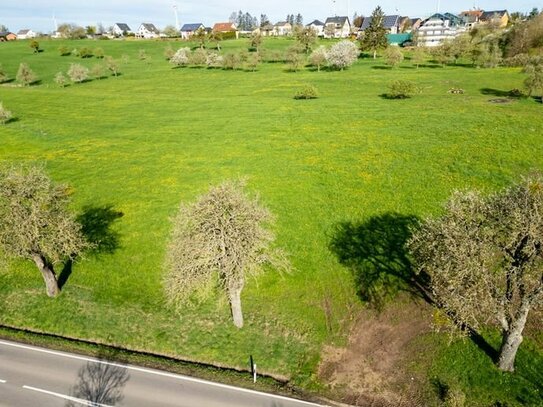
192	27
282	24
224	27
388	22
315	22
23	32
454	19
150	27
337	20
489	15
123	26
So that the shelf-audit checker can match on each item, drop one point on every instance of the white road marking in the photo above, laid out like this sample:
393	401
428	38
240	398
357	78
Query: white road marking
65	397
156	372
2	381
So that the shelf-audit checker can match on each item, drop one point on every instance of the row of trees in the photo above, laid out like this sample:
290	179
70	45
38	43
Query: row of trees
222	238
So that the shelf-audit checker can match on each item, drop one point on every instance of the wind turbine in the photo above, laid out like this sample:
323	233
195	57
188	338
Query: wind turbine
176	17
55	22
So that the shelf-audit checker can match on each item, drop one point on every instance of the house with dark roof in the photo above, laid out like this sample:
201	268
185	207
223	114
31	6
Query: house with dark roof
337	27
121	29
188	30
7	36
390	23
438	28
317	26
147	30
501	17
25	34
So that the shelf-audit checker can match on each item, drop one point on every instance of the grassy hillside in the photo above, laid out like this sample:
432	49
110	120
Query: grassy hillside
155	136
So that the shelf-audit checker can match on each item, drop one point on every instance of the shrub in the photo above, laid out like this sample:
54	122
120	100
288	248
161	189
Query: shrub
252	61
198	57
456	91
516	93
231	61
98	71
112	65
78	73
181	57
84	52
5	115
60	79
401	89
214	60
25	75
35	45
393	56
98	53
3	75
64	51
307	92
342	55
168	52
295	58
517	60
318	57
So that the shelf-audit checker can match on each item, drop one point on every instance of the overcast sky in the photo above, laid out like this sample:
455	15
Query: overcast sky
38	14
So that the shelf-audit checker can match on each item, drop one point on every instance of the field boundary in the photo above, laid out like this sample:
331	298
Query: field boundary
207	371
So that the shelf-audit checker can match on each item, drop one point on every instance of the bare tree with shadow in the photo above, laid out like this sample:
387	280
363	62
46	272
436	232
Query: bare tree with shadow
375	252
100	384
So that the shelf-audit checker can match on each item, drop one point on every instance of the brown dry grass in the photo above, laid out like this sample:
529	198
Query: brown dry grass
369	370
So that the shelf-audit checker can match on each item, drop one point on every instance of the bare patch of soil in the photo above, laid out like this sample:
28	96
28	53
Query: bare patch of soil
369	370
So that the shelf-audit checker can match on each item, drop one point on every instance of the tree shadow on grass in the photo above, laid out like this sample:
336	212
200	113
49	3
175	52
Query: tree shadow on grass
96	223
375	253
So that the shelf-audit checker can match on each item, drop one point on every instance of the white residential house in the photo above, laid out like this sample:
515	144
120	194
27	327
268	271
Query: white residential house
121	29
147	30
317	26
337	27
25	34
282	28
438	28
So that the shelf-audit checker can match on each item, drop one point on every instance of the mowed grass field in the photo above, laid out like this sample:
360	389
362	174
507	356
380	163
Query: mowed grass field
156	136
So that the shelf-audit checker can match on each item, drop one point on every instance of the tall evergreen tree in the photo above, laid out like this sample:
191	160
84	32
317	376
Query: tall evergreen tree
375	36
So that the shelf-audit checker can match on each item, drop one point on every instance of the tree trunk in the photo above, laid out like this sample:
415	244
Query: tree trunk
512	338
374	54
51	283
234	295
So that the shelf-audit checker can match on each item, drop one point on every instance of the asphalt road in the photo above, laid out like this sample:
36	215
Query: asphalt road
32	376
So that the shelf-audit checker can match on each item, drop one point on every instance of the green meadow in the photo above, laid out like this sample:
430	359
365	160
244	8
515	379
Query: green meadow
155	136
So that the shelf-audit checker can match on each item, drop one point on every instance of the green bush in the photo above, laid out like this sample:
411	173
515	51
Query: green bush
5	115
307	92
401	89
64	51
85	52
